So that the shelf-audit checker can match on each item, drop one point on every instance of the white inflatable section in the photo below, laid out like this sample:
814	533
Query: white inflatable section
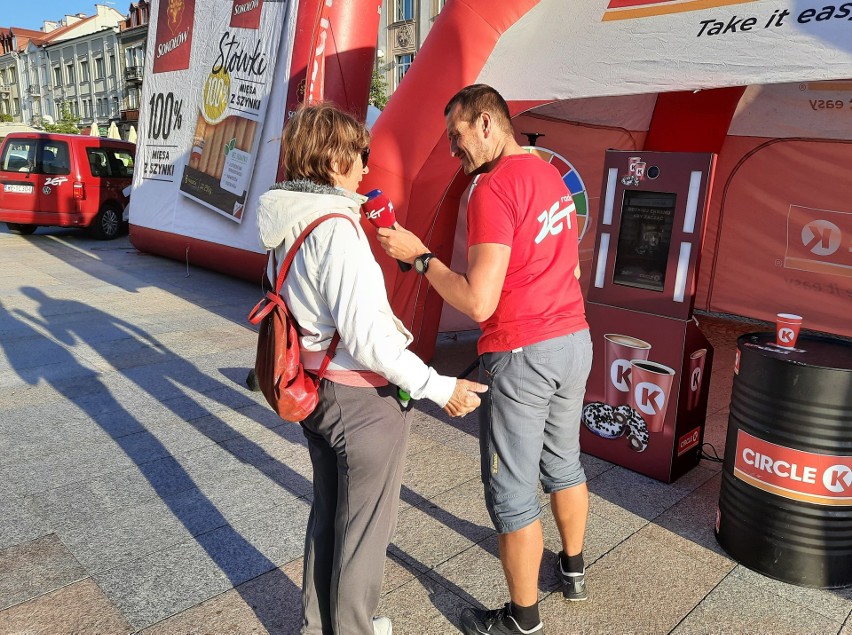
565	50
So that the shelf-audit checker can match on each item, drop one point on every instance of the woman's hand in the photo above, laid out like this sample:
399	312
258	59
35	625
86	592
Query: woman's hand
465	398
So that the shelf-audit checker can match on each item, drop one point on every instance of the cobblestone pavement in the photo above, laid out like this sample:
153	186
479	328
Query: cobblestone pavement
143	489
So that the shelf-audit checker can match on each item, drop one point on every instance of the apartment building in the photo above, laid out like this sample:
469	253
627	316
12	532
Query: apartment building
13	43
132	37
403	26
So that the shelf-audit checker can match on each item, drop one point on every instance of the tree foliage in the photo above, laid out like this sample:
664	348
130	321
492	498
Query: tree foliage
67	122
378	90
5	117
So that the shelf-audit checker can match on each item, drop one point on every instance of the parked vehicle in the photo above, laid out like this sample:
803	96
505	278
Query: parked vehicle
64	180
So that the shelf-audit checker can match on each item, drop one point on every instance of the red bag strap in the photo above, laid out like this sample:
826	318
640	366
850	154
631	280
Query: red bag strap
285	268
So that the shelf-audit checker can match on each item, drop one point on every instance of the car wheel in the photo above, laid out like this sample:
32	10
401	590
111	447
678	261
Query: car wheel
107	224
22	229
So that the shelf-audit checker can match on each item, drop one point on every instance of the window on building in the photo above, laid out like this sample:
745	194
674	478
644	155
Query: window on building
13	76
69	73
57	76
114	111
112	68
132	99
403	63
75	108
84	71
4	107
136	56
99	68
404	10
16	106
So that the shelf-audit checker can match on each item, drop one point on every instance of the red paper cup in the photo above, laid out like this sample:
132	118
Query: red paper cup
651	387
696	374
787	327
620	349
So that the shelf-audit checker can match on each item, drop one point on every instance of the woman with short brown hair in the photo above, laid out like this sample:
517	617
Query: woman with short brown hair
358	432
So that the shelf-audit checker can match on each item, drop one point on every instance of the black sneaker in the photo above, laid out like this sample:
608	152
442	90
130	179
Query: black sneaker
496	622
573	584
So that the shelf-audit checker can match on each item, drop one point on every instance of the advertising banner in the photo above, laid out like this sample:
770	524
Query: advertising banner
646	397
215	78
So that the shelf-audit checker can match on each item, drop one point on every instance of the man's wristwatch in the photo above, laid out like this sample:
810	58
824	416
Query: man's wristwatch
421	263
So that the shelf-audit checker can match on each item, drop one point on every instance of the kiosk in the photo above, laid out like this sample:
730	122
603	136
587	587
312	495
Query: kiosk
646	398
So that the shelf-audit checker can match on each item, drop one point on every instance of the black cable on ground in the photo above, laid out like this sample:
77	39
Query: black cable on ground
711	457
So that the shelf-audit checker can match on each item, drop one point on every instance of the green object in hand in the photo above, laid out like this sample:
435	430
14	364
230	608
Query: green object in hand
404	397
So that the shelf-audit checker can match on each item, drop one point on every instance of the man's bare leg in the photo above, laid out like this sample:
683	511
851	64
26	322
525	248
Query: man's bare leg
520	555
570	507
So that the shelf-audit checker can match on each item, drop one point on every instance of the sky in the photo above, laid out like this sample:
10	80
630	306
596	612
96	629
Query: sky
30	14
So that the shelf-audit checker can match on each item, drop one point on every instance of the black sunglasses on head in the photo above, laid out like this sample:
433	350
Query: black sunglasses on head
365	156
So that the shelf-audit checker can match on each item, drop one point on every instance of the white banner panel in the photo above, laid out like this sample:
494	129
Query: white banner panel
211	117
565	50
631	112
808	110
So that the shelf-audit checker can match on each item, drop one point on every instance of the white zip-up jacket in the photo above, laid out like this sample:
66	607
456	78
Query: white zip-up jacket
336	283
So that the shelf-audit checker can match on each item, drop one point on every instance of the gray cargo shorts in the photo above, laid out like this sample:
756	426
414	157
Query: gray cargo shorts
529	425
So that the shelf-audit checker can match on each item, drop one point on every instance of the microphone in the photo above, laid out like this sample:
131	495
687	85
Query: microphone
378	209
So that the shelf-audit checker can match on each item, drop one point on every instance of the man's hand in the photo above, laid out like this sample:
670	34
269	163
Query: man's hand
400	243
465	398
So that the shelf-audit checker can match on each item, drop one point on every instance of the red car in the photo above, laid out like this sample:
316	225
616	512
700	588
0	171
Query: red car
64	180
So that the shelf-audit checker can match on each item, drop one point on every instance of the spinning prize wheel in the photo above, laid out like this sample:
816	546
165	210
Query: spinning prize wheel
572	181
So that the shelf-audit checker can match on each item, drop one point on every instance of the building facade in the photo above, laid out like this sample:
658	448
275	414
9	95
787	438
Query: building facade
132	37
403	26
13	44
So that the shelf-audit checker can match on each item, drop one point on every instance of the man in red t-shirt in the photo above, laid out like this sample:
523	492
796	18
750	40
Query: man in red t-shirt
535	350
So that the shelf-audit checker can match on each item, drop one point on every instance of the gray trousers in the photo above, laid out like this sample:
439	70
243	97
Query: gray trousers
357	439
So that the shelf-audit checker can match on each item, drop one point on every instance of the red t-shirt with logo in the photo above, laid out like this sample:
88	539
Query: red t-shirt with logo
523	203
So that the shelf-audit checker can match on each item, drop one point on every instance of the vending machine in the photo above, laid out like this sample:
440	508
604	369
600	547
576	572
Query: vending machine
646	398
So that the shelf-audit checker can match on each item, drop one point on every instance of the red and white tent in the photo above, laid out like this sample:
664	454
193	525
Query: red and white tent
762	83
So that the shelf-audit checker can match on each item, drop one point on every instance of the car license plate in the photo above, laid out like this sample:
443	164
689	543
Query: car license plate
19	189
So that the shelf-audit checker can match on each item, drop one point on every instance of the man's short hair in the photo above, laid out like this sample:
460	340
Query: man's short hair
318	136
475	99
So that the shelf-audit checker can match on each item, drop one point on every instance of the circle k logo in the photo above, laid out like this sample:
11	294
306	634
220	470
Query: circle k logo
649	397
785	334
619	374
695	380
821	237
837	478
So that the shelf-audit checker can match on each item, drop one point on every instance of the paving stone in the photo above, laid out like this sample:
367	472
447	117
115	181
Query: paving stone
737	605
645	496
642	586
34	568
78	609
268	604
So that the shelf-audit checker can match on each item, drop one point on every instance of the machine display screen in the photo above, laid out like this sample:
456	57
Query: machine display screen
644	239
